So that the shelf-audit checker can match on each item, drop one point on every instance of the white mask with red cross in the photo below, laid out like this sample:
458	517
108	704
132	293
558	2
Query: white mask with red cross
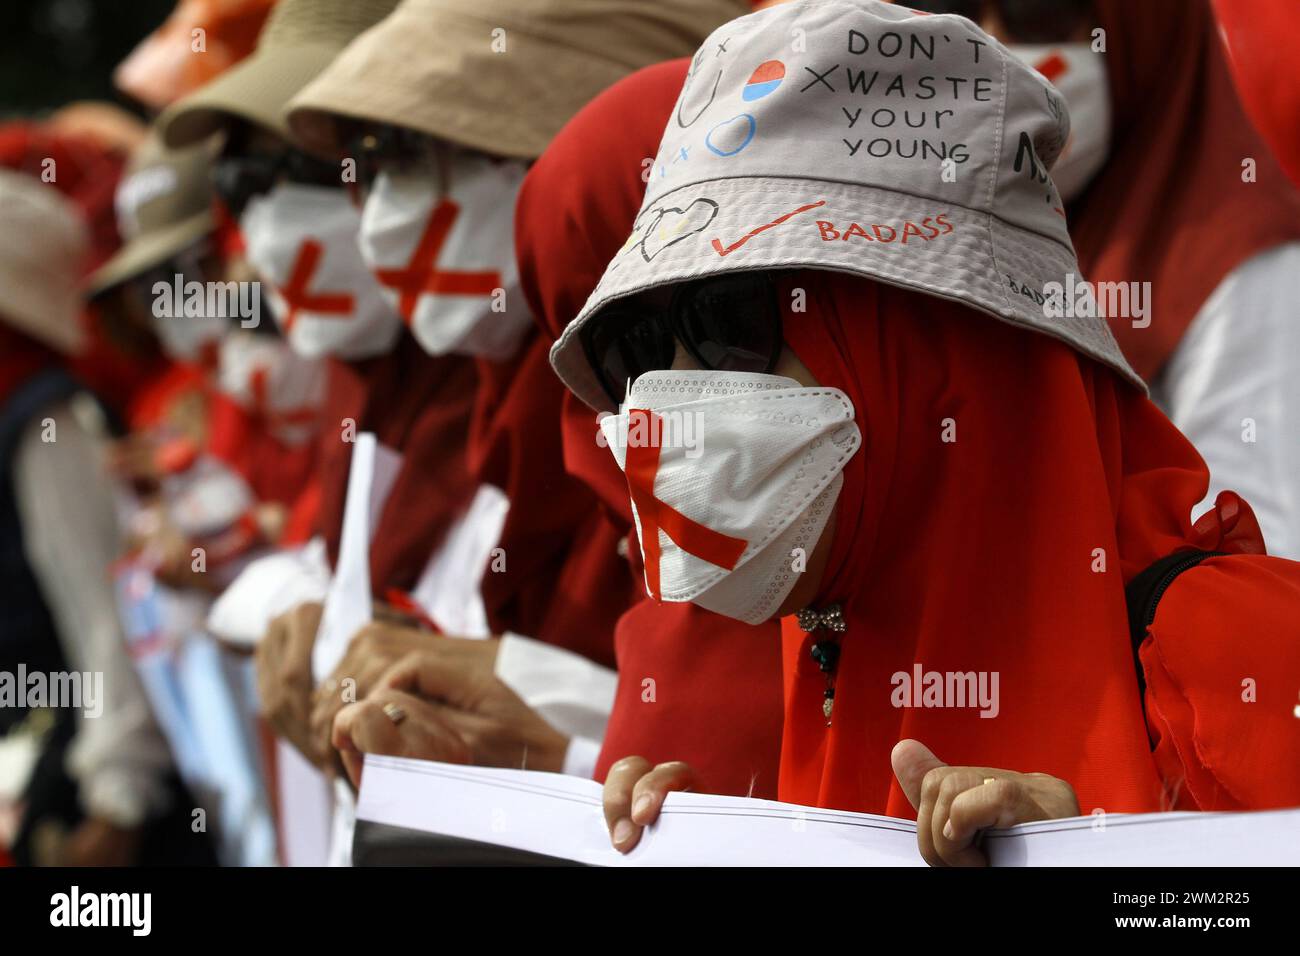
274	384
440	240
302	240
732	477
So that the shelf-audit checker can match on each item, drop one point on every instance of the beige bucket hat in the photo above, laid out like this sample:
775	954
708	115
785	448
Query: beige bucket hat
43	248
299	40
498	76
164	205
910	149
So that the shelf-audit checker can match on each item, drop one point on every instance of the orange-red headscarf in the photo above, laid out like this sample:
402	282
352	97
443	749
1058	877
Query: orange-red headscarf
1006	490
1170	206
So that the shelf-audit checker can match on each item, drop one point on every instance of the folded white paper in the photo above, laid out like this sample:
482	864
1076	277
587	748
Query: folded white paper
560	817
347	609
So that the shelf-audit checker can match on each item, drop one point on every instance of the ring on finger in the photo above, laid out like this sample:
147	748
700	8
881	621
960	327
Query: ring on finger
393	712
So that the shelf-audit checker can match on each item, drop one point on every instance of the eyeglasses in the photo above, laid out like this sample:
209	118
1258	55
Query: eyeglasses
730	323
389	147
1025	21
237	178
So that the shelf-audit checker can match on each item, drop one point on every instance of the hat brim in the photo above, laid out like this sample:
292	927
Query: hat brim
403	74
937	248
147	251
257	91
47	312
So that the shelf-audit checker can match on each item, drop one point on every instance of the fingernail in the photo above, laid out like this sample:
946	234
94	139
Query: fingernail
643	803
947	829
624	830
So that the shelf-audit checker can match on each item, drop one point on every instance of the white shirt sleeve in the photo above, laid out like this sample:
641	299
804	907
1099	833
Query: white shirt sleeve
1233	387
119	758
580	759
573	694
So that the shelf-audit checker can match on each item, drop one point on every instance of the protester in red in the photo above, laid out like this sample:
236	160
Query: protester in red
1007	612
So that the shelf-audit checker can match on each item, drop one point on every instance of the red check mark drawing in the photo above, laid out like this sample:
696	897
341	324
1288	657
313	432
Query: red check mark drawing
722	250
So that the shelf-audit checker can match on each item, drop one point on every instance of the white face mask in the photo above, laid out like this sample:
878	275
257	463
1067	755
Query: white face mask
189	338
446	261
1080	76
303	241
732	481
267	378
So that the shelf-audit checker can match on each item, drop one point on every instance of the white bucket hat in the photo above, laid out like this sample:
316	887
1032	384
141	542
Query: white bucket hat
860	137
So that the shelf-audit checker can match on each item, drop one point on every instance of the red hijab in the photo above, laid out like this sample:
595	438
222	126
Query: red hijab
416	404
984	553
692	685
1260	36
553	541
1170	207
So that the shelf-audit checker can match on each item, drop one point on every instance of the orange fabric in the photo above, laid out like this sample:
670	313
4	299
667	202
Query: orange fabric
166	66
1170	206
983	553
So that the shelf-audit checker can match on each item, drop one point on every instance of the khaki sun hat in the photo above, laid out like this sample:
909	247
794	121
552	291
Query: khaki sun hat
299	40
498	76
859	137
43	248
164	205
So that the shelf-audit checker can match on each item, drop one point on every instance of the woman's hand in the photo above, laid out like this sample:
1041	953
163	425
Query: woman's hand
954	803
284	682
372	653
634	794
397	724
455	687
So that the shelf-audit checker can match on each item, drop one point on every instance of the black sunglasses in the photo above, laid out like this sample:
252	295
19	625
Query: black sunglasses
237	178
1026	21
730	323
386	147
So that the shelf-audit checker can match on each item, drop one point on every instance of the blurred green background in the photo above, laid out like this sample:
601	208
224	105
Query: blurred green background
54	51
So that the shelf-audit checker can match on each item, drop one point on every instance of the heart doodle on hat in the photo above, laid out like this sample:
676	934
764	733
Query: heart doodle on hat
669	226
731	136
